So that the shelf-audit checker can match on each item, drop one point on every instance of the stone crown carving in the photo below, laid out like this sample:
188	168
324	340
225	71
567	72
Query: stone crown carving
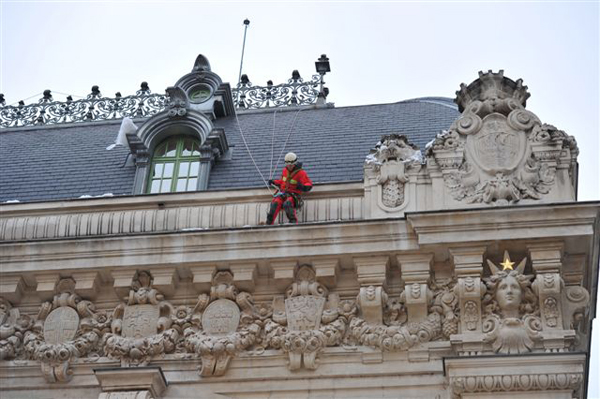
497	152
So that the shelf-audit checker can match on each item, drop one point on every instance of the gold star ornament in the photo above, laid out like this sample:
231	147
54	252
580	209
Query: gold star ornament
507	264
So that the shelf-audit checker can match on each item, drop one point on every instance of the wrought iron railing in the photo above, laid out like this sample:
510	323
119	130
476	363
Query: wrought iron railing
144	103
92	108
293	93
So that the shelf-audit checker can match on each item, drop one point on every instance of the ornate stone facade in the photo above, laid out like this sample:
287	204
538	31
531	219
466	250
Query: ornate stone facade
407	294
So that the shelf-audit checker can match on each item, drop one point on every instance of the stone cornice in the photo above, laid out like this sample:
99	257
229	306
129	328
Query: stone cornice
482	224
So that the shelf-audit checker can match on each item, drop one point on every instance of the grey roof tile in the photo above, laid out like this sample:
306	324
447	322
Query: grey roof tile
69	161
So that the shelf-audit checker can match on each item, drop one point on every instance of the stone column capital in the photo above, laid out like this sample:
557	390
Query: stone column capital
468	261
86	283
371	270
244	275
416	268
283	273
546	257
202	277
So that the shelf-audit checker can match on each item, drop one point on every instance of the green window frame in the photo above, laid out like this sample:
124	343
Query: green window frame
175	166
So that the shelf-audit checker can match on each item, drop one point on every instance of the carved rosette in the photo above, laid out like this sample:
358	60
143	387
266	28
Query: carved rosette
142	326
224	324
306	322
65	329
497	152
12	330
389	164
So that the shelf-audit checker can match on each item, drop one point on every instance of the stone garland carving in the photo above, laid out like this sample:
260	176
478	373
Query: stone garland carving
398	334
497	152
12	330
142	327
65	329
307	321
391	159
223	324
511	323
519	382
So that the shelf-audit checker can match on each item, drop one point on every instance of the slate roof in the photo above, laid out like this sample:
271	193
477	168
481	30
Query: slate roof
68	161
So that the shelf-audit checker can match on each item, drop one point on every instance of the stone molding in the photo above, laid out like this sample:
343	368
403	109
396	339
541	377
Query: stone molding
137	383
487	376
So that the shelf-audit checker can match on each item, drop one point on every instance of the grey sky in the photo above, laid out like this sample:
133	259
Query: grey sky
379	51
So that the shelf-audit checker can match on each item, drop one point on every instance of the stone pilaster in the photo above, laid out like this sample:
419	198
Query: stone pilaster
468	269
416	273
371	272
546	261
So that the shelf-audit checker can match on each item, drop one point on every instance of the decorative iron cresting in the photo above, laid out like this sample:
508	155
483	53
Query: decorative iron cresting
144	103
293	93
92	108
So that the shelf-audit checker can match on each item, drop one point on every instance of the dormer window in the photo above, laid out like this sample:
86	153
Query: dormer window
175	166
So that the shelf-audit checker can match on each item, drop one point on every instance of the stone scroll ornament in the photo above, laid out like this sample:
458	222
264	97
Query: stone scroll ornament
13	327
397	333
497	152
511	323
223	324
392	157
142	327
306	321
65	329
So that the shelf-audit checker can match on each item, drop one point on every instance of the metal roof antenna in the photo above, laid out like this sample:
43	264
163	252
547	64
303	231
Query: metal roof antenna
246	23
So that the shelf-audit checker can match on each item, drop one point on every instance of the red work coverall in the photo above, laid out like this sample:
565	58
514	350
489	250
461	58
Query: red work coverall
289	193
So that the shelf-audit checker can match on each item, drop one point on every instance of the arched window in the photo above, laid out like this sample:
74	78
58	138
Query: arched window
175	166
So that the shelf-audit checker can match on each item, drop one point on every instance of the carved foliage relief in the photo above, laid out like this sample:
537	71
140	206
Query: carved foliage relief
505	311
498	152
142	326
306	321
66	328
223	324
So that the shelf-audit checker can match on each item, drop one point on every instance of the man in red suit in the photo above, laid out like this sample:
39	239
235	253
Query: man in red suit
293	182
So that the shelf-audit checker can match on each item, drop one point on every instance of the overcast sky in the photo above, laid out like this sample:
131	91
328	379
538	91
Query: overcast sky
379	52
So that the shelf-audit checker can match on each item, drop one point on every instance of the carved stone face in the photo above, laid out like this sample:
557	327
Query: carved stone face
509	296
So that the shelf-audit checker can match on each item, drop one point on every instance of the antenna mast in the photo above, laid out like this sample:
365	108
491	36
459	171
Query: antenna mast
246	23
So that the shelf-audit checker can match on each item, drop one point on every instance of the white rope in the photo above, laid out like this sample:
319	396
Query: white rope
35	95
249	153
271	169
286	140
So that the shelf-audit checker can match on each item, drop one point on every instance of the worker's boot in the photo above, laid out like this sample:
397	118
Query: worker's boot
290	212
271	213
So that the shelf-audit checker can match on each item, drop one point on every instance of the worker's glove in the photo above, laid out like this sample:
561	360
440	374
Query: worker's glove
303	188
272	182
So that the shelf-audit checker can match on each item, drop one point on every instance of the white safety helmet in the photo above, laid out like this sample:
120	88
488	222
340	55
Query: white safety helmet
290	157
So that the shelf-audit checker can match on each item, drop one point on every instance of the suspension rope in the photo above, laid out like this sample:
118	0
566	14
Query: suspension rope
271	169
249	153
35	95
287	138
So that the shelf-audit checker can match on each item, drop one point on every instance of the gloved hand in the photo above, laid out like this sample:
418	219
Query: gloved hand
271	182
303	188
